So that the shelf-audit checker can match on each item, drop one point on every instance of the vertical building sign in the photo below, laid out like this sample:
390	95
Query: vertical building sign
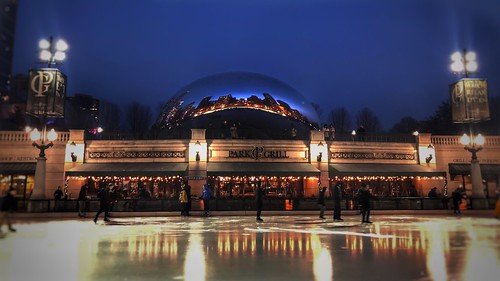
46	92
469	101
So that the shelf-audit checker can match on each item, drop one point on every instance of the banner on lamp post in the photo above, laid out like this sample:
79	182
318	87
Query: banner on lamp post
46	92
469	100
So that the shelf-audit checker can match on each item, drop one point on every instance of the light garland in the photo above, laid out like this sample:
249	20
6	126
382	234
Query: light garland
261	178
127	178
383	178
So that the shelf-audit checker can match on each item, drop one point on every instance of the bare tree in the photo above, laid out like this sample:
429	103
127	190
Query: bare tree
109	116
369	120
406	125
138	118
341	119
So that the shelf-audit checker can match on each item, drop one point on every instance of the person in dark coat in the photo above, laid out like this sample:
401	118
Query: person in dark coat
206	195
337	198
58	195
413	191
82	199
259	194
432	193
456	197
104	197
9	205
321	201
364	201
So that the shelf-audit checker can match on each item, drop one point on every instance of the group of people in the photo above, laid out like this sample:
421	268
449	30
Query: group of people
364	197
185	197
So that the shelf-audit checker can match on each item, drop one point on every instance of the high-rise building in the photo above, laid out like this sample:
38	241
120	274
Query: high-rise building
8	10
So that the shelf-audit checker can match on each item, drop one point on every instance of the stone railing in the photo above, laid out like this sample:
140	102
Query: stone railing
21	136
455	140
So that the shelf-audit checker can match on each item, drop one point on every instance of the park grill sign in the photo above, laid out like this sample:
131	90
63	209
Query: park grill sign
46	93
257	153
469	100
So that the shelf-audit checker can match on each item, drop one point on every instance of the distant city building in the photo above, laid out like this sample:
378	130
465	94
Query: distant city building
82	112
13	105
8	10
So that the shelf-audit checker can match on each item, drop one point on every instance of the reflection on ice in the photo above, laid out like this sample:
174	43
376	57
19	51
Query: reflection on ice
322	264
431	248
194	265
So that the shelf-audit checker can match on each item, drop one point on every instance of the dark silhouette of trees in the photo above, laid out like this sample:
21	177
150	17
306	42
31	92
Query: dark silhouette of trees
369	120
406	125
138	118
109	116
341	120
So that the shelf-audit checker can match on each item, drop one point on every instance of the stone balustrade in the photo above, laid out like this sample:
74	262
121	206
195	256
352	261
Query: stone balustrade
455	140
21	136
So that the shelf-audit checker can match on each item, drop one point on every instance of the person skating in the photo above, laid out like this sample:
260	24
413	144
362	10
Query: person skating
58	195
206	195
104	198
82	199
183	199
337	198
364	200
259	194
9	205
457	197
321	201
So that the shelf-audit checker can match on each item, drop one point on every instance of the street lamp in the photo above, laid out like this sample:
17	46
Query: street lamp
474	145
35	136
471	142
50	53
464	62
197	146
320	153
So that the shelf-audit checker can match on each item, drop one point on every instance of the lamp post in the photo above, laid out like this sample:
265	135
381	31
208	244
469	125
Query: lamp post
35	136
48	54
197	146
41	103
474	144
464	63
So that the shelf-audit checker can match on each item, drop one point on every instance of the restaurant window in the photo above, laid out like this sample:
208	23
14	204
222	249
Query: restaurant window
241	186
19	184
135	187
23	184
5	182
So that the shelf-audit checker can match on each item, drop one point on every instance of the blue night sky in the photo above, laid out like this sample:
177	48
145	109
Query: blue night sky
391	56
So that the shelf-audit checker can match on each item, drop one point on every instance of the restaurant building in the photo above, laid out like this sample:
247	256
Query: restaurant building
243	127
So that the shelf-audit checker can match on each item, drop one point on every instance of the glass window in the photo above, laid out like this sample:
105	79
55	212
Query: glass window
19	184
5	181
30	184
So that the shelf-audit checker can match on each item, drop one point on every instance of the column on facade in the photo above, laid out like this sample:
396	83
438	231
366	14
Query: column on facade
197	168
319	157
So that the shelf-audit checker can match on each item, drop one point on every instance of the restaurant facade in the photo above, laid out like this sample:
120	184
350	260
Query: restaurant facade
288	169
238	128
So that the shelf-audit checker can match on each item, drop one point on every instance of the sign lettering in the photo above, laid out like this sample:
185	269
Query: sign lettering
41	82
46	93
258	152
